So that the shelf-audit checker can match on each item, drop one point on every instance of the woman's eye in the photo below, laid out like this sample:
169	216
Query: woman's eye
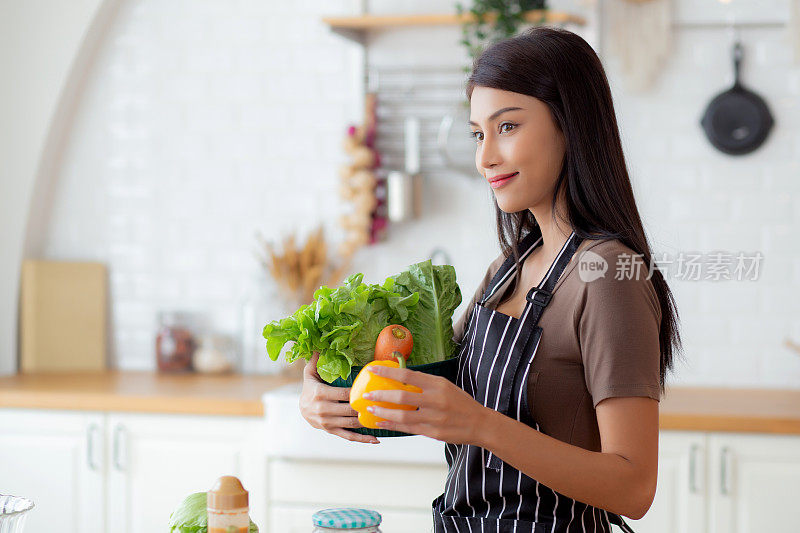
475	134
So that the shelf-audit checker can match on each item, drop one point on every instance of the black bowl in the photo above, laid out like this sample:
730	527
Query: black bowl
447	369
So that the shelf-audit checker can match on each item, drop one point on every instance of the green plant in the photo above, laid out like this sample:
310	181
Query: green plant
343	323
505	17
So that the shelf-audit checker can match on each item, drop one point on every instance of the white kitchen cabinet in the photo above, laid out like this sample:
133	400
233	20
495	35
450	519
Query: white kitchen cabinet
157	460
401	492
680	500
725	483
754	482
391	485
58	461
98	472
309	469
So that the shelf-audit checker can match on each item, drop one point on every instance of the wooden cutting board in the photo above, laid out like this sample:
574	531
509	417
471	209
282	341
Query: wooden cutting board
63	316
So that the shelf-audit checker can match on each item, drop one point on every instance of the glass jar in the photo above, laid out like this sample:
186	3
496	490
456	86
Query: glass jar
14	512
257	307
174	343
346	520
228	506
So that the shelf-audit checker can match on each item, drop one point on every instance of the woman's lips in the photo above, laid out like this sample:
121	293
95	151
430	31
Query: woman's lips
499	183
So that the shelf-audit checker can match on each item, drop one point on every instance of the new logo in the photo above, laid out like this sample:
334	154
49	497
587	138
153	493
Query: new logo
591	266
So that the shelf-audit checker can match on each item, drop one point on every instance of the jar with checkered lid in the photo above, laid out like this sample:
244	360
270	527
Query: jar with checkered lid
347	520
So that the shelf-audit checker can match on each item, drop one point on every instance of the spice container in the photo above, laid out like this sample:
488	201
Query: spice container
346	520
212	355
228	507
174	343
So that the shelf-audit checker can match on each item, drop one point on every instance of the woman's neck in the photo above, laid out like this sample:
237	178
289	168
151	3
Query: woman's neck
554	232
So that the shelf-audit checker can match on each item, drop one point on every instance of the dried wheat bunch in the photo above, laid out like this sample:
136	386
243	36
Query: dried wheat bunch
299	270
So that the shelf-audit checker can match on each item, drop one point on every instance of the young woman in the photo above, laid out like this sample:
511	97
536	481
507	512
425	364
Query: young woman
552	424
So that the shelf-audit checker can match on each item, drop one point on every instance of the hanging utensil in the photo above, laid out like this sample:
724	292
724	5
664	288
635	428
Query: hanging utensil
404	188
737	121
454	144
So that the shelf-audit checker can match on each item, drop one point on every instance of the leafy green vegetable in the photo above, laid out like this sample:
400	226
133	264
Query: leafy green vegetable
343	324
431	323
191	516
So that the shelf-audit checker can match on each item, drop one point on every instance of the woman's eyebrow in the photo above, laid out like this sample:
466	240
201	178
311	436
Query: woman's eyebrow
497	114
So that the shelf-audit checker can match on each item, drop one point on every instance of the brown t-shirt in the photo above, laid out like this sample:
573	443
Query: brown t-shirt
599	340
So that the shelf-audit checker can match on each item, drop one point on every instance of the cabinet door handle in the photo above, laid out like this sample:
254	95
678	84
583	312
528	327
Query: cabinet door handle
695	448
119	437
91	430
724	473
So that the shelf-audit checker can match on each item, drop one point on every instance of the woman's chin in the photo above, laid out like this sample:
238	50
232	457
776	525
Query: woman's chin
508	204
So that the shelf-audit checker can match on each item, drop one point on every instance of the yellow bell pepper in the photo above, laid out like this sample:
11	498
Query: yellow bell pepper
367	382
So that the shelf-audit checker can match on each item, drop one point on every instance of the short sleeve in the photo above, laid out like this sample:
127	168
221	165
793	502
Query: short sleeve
460	325
618	331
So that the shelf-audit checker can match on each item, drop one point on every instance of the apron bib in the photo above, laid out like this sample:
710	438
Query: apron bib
483	493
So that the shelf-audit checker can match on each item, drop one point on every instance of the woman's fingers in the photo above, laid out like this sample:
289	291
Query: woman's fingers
326	407
338	422
310	370
401	416
403	375
338	393
353	436
397	396
337	409
332	394
327	393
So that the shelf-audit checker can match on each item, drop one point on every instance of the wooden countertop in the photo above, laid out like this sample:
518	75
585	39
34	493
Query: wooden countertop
682	408
149	392
731	409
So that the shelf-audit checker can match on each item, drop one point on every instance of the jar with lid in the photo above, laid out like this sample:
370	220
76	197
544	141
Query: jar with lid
175	344
346	520
228	507
212	355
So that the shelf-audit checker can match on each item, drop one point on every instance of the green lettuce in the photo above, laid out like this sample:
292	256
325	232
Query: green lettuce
191	516
343	324
431	323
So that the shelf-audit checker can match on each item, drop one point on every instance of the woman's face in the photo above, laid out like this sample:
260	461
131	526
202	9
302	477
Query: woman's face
524	139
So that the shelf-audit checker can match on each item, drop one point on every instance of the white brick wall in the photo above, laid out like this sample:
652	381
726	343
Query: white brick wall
204	121
694	198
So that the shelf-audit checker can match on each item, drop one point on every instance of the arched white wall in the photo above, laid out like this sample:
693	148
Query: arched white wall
45	48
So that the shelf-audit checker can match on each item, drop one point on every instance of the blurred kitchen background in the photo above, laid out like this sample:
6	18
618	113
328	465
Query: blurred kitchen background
162	145
159	137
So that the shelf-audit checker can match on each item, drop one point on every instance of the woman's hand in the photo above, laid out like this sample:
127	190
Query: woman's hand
445	412
328	408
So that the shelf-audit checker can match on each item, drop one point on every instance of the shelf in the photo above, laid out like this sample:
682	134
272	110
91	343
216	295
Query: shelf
355	28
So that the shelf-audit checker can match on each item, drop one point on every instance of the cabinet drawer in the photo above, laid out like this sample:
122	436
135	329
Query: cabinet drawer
355	484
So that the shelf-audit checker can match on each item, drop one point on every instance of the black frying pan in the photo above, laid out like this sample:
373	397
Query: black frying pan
737	121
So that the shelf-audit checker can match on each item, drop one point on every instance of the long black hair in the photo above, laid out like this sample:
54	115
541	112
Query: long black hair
559	68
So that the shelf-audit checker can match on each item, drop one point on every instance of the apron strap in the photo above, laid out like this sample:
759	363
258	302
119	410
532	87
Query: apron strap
618	521
537	299
506	271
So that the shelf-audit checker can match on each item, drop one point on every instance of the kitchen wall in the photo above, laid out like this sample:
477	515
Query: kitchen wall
55	39
203	122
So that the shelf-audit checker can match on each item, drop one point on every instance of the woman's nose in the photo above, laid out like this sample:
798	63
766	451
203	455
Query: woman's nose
488	155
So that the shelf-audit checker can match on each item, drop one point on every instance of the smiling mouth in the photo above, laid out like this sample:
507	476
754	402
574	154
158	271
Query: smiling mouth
502	177
499	181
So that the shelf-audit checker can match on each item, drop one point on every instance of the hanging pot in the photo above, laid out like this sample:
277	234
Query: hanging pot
737	121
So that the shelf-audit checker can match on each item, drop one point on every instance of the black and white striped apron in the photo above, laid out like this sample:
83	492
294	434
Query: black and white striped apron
483	493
